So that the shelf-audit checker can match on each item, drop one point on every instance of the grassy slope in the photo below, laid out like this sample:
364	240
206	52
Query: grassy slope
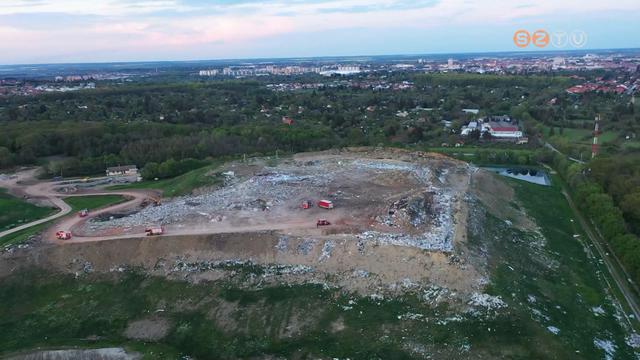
22	235
180	185
566	282
58	310
14	212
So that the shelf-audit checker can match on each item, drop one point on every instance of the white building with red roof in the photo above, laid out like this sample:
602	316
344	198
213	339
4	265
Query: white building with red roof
502	131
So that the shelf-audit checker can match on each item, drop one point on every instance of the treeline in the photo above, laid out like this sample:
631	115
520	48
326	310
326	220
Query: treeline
620	177
600	206
147	143
481	156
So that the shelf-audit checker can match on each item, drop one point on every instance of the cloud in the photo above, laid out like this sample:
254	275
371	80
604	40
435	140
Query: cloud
64	30
91	7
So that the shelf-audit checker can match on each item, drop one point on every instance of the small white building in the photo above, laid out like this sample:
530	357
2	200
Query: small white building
127	170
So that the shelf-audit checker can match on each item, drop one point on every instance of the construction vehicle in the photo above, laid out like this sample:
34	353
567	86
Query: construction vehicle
154	231
83	213
325	204
322	222
156	200
63	235
306	204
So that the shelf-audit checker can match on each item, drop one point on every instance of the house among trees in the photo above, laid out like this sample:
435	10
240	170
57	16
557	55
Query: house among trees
127	170
287	120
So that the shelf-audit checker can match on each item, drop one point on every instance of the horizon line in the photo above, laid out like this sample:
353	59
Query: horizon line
522	52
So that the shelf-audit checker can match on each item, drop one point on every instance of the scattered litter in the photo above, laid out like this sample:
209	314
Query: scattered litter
554	330
597	310
608	346
487	302
306	246
327	248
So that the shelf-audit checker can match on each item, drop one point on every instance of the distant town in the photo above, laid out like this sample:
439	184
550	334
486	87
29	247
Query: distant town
17	81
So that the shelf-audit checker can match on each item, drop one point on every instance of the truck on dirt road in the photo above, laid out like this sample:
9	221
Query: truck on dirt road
63	235
154	230
325	204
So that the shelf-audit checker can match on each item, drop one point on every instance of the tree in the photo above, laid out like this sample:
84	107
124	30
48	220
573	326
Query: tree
630	205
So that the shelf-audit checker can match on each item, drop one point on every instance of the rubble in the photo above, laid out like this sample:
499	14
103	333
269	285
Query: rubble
486	302
395	228
607	346
327	248
554	330
305	247
422	218
182	266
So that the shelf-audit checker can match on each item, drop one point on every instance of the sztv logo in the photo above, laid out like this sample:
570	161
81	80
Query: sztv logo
558	39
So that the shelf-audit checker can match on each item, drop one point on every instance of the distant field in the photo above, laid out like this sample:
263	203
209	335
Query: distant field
631	144
585	135
78	203
180	185
14	211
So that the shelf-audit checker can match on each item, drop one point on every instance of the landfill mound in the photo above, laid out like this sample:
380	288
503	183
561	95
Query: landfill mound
392	200
398	223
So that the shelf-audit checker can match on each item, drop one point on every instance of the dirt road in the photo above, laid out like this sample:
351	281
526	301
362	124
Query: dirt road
24	183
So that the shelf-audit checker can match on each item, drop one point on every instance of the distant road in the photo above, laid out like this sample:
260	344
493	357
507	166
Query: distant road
549	146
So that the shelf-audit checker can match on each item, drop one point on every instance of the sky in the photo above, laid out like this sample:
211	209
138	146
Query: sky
67	31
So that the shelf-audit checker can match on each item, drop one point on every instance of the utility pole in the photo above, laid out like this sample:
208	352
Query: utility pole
596	134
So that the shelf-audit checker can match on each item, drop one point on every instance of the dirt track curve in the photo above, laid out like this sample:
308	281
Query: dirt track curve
25	184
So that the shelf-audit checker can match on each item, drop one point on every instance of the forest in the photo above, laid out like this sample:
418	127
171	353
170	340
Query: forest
153	122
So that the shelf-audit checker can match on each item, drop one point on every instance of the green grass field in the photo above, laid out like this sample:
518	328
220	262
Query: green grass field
558	306
585	136
15	212
78	203
180	185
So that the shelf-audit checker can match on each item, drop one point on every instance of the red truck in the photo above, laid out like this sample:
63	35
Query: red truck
153	231
63	235
325	204
322	222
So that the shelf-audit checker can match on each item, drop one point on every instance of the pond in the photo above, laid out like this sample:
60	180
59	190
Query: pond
535	176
